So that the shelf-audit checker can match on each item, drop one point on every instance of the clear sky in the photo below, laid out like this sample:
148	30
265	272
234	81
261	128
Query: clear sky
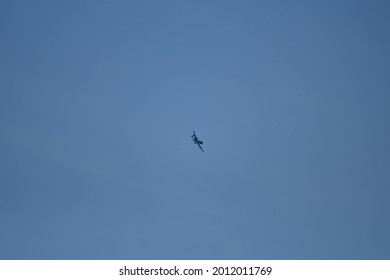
98	100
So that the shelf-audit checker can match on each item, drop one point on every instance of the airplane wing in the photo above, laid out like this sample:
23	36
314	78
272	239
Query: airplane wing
200	147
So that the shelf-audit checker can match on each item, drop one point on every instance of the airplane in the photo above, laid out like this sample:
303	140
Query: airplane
196	140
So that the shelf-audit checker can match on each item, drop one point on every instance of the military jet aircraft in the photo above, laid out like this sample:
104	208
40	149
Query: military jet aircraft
196	140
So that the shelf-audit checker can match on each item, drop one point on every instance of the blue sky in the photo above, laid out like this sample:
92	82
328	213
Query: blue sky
98	100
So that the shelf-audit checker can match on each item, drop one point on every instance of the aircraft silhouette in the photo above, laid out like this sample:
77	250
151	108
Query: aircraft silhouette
196	140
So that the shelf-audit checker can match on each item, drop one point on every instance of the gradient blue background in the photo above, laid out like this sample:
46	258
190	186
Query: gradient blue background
98	100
